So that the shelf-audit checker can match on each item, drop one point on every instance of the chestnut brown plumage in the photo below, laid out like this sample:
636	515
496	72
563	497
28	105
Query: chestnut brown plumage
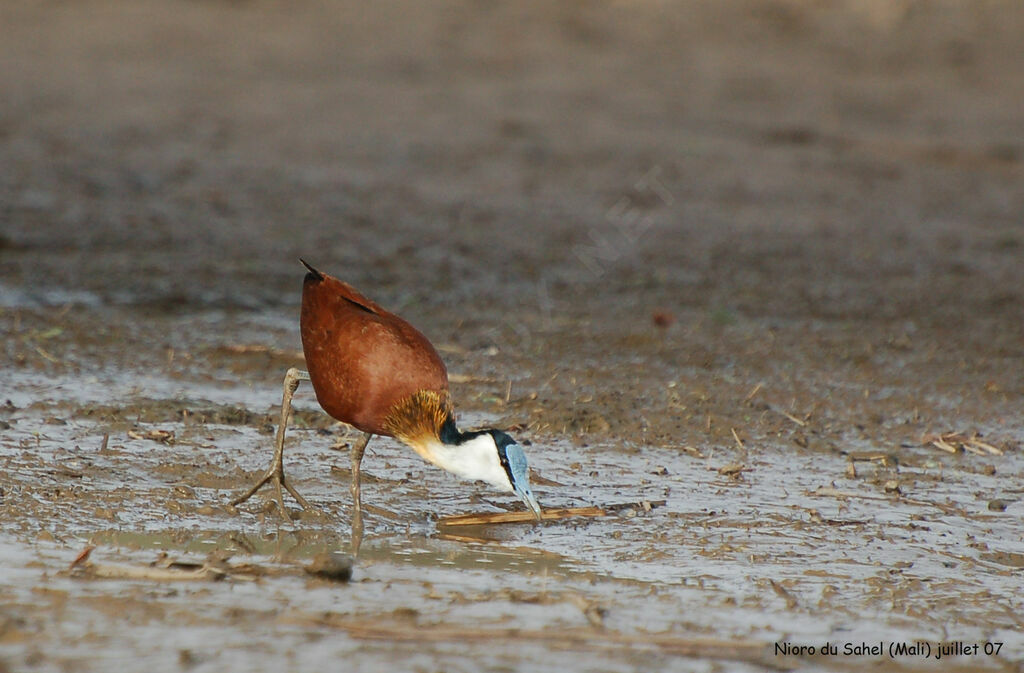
364	362
373	370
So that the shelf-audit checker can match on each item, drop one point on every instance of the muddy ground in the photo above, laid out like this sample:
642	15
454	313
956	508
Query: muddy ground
747	273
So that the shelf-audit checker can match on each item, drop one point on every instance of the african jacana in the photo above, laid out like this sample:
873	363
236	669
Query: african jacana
376	372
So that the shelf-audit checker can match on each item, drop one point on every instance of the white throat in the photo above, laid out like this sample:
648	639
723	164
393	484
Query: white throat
474	459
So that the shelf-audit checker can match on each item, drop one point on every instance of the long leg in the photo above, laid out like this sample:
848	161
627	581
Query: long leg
276	470
357	509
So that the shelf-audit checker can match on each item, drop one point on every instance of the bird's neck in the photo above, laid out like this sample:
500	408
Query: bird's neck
426	423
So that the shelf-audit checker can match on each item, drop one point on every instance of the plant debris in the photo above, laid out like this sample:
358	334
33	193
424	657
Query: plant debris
520	517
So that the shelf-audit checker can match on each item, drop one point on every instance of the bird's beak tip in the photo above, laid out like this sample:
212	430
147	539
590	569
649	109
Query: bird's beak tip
531	502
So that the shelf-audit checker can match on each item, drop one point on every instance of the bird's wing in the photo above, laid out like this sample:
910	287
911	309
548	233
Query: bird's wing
352	295
339	288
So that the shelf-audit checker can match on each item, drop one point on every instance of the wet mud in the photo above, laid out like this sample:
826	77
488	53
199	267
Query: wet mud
744	275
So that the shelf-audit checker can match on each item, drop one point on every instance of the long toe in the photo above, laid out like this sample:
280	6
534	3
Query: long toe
267	476
277	477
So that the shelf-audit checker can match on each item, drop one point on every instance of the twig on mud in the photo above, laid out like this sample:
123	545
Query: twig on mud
381	512
594	611
952	442
966	559
739	442
245	349
589	639
519	517
783	593
837	493
790	417
986	446
82	557
645	505
46	356
164	570
732	470
470	378
537	478
693	451
451	348
126	572
162	436
880	457
939	443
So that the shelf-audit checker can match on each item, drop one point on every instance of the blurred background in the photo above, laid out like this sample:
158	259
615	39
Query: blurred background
634	192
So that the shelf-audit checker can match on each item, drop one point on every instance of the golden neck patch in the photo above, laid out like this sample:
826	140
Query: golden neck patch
419	417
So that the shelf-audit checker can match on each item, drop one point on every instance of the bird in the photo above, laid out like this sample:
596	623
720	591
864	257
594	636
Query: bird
376	372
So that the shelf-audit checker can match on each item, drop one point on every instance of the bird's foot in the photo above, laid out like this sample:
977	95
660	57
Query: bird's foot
275	473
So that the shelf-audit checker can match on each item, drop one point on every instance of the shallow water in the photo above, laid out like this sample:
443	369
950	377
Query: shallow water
759	555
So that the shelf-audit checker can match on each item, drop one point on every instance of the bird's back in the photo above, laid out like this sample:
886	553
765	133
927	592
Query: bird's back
362	359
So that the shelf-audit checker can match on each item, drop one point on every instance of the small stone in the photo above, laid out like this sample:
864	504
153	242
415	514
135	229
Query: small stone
334	566
663	318
998	505
732	470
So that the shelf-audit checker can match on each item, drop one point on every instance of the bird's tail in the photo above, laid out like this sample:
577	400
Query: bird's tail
313	272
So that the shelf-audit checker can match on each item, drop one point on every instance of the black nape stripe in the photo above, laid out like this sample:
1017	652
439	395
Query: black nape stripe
449	433
451	436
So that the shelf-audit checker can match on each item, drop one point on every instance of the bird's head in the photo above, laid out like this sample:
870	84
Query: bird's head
491	456
512	459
